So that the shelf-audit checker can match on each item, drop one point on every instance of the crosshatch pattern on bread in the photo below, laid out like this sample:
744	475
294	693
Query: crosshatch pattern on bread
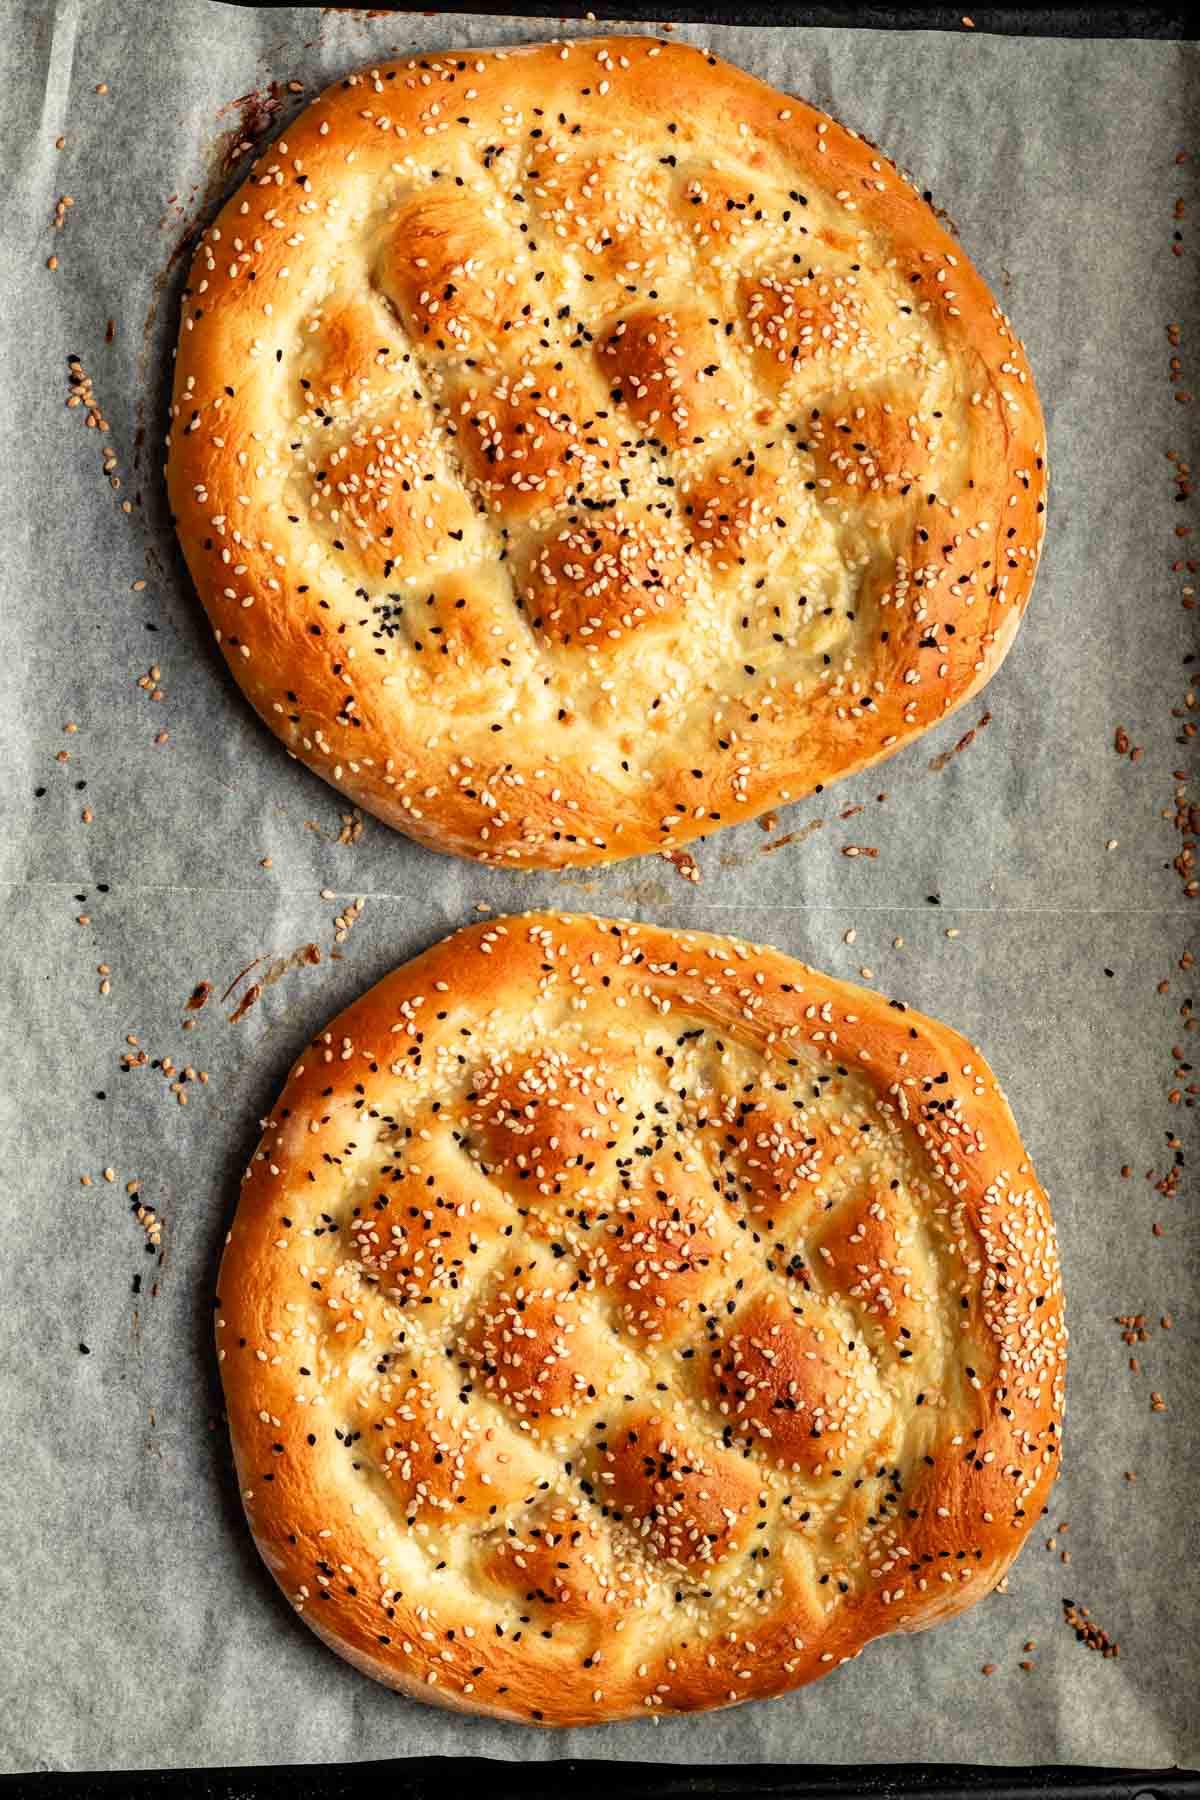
581	448
618	1320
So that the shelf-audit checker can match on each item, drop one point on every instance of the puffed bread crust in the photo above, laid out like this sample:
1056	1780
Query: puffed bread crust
618	1320
582	447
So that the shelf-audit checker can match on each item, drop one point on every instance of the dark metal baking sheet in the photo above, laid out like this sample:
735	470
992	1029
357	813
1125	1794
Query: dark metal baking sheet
1168	22
428	1778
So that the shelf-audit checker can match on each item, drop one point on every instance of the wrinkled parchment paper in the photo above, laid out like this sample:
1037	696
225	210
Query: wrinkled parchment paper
139	1627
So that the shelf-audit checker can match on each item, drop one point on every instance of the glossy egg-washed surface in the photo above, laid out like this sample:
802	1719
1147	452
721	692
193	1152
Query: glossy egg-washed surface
580	448
618	1320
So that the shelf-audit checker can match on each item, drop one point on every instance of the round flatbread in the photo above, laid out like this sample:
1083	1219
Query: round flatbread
618	1320
581	448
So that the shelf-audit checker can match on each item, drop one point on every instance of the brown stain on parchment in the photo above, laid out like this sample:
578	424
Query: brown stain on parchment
256	113
938	763
793	837
307	956
648	891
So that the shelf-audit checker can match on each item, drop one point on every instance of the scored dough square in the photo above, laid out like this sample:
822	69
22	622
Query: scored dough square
619	1320
583	447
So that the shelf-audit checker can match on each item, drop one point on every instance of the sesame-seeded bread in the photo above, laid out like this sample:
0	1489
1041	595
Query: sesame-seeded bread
582	447
620	1320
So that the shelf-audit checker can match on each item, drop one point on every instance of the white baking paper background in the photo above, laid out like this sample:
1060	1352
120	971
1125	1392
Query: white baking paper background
139	1628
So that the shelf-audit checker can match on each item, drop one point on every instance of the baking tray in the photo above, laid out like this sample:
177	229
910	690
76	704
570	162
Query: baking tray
1169	22
426	1778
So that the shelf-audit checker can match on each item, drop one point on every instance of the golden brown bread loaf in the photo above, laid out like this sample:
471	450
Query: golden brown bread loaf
620	1320
583	447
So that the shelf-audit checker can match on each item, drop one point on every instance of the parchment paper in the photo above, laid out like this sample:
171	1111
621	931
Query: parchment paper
139	1628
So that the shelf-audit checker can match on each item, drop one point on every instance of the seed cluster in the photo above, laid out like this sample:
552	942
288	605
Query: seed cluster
1087	1631
81	393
